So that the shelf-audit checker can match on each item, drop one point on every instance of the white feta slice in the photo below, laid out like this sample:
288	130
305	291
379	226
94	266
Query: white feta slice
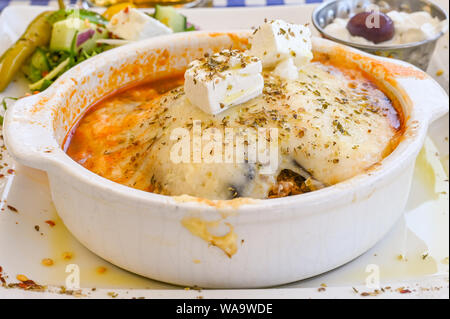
134	25
286	69
277	40
222	80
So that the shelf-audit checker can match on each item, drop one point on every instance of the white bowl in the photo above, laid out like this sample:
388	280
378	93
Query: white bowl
278	240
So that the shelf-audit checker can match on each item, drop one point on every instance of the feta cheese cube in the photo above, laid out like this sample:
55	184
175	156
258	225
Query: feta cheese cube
222	80
277	40
134	25
286	69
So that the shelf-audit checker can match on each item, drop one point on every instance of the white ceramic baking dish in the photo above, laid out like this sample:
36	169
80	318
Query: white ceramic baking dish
278	240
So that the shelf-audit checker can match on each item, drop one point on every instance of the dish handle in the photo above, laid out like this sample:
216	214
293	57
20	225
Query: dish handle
28	132
427	96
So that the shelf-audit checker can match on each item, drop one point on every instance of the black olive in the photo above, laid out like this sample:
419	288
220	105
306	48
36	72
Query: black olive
364	24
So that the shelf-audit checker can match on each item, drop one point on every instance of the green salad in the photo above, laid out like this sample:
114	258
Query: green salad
55	41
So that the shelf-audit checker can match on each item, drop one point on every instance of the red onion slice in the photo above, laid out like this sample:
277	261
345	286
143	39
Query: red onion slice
84	36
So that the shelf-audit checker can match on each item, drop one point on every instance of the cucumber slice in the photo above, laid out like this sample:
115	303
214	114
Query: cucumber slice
31	73
74	35
39	60
171	18
43	83
64	32
37	65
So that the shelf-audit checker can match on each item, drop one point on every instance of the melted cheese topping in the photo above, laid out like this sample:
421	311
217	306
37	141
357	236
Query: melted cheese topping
332	124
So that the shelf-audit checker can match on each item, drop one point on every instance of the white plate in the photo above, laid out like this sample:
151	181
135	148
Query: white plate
424	230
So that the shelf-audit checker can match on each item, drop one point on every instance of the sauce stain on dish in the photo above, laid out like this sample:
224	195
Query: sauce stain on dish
201	228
